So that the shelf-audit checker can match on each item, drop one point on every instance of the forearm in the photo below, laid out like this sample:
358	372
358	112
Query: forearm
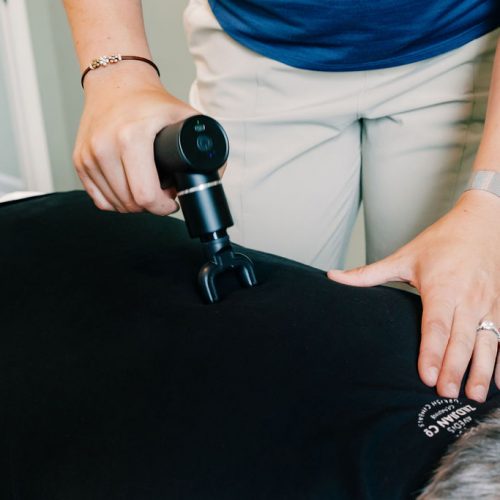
488	157
103	27
106	27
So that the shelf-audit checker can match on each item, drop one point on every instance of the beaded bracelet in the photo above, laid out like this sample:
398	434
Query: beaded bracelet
105	60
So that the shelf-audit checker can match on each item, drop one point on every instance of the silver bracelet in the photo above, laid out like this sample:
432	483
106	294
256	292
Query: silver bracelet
485	180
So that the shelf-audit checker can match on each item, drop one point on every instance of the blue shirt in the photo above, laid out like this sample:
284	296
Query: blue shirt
346	35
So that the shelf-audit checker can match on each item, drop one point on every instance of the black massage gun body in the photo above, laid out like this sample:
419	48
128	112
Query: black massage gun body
188	155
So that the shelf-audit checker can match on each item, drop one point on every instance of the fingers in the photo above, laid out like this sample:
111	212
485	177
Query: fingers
102	184
383	271
486	358
448	332
497	369
437	320
111	184
450	343
108	169
458	352
483	364
494	316
126	182
142	176
95	193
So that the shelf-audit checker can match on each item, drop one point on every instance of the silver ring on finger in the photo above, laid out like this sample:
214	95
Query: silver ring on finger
489	326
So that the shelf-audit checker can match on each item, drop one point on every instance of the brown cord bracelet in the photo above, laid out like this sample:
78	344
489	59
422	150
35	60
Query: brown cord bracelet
105	60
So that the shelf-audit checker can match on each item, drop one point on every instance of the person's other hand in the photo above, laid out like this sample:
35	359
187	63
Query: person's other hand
455	265
124	109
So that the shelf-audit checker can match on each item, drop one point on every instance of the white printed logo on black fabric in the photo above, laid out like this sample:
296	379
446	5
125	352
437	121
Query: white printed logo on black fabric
445	415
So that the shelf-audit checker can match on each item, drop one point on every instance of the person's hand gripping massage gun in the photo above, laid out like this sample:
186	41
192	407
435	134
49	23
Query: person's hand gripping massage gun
454	263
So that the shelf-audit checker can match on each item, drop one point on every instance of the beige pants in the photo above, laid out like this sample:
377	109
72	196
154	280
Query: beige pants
307	145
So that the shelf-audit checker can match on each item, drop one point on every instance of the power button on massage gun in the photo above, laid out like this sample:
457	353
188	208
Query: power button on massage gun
188	155
205	143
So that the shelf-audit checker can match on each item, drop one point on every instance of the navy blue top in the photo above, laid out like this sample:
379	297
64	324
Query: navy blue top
346	35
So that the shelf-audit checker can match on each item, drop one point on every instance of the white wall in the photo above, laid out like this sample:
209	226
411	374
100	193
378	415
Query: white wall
9	162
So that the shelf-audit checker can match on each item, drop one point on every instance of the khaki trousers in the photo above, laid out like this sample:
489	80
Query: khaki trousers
307	146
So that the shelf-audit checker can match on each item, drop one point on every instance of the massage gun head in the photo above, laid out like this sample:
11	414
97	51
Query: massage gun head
197	145
188	155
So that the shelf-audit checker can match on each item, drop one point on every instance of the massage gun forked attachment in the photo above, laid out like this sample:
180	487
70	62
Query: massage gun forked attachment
188	155
221	258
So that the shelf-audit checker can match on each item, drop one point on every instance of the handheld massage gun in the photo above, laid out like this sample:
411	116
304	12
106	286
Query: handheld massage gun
188	155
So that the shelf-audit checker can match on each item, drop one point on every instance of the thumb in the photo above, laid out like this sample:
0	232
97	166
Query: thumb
373	274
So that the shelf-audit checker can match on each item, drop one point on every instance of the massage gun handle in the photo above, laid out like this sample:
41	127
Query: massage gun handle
205	210
188	155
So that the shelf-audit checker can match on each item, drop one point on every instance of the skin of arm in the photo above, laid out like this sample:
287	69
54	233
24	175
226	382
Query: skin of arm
455	265
125	107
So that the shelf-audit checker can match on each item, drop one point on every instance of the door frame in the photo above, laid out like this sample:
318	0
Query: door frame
24	96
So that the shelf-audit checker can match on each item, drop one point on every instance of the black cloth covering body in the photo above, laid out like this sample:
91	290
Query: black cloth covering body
118	382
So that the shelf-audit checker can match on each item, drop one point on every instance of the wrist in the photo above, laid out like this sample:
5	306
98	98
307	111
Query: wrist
112	59
125	75
483	188
480	203
480	196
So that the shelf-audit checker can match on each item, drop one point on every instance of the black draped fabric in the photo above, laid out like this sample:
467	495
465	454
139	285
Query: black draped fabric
118	382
